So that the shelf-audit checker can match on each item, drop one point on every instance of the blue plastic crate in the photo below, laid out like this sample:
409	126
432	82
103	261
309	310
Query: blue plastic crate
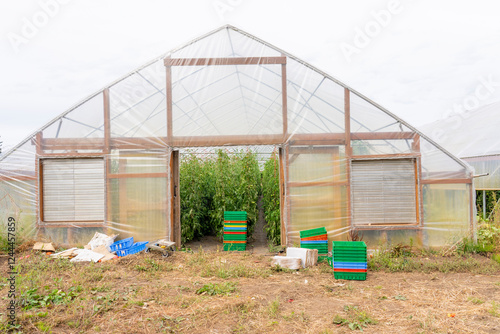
135	248
314	242
350	265
122	244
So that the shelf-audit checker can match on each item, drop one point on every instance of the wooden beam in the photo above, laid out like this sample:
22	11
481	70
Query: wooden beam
136	175
227	140
284	100
138	143
72	144
39	176
446	181
169	100
71	155
224	61
18	178
385	156
381	135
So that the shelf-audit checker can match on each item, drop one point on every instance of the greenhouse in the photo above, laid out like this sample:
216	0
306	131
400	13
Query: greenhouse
111	163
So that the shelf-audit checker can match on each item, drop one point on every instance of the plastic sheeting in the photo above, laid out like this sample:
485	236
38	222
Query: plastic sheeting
229	88
473	137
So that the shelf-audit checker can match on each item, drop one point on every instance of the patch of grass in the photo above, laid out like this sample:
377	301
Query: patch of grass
494	310
475	300
274	307
458	264
42	326
212	289
355	318
33	299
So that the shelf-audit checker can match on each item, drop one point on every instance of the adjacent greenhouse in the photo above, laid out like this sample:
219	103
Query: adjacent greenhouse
111	163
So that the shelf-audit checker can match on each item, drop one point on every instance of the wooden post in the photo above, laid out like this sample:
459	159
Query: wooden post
282	196
175	200
288	208
348	152
419	190
39	176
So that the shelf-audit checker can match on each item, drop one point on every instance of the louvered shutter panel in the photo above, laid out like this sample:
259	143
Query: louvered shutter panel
73	190
383	192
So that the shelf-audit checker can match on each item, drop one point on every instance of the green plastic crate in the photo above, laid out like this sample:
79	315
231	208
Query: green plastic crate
235	247
236	237
313	232
350	276
349	244
235	215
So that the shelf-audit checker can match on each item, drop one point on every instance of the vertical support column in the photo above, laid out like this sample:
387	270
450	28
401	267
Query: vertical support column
418	190
284	102
169	104
288	208
175	200
107	159
282	196
39	176
473	225
348	151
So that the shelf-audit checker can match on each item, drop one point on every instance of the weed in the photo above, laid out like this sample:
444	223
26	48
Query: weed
32	299
217	289
274	307
494	310
400	297
475	300
355	318
43	326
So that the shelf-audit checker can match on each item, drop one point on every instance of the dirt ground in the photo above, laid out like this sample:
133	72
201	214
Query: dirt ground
146	293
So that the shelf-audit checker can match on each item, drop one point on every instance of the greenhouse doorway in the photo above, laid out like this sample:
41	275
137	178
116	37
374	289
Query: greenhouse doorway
206	181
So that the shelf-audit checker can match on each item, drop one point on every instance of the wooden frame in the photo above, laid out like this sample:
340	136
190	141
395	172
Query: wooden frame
282	196
40	221
225	61
175	200
348	153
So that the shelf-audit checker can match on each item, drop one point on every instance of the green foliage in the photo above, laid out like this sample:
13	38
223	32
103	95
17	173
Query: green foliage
491	201
271	198
197	191
208	187
237	187
355	318
488	239
33	299
212	289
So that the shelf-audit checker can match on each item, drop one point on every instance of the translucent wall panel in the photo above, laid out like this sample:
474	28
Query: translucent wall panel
123	162
365	117
446	213
438	165
486	165
85	121
377	147
18	190
227	100
138	104
317	191
139	208
315	103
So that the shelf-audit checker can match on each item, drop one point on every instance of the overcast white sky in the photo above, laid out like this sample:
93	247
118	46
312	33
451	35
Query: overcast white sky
421	61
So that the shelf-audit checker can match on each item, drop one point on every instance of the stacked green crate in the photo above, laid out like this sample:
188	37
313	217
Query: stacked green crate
235	230
349	260
316	238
